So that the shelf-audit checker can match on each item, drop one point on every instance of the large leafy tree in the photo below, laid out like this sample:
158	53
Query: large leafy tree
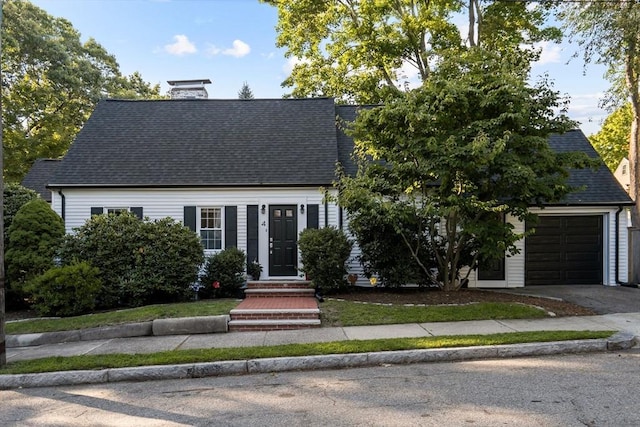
51	83
608	34
361	51
612	141
454	157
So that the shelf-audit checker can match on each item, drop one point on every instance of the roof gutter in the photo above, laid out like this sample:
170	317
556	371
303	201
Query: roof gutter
161	186
618	282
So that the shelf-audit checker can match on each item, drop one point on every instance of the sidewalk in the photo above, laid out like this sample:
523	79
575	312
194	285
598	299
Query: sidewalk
628	322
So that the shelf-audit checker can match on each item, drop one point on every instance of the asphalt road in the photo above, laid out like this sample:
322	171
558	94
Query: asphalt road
568	390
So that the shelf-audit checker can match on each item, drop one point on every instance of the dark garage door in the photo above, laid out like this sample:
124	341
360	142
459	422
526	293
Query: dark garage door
565	250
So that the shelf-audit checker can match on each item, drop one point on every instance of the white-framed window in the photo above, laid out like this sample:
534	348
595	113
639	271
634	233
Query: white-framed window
211	228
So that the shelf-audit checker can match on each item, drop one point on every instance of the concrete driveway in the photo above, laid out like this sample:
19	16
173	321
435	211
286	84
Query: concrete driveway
601	299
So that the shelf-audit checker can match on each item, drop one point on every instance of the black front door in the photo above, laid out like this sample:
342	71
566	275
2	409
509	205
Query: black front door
283	237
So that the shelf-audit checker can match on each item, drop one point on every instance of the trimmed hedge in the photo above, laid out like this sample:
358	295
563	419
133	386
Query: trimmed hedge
141	262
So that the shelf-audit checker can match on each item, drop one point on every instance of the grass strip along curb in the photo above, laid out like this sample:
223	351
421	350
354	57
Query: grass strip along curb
96	362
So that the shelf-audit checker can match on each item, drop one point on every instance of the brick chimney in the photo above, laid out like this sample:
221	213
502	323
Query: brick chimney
188	89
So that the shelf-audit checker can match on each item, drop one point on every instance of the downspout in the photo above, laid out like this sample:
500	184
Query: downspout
618	282
63	204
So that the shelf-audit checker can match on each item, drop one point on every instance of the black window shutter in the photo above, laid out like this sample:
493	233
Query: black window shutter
137	211
313	213
326	214
230	226
97	211
190	217
252	233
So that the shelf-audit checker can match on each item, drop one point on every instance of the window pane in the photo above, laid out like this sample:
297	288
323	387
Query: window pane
210	218
277	213
211	228
288	213
211	239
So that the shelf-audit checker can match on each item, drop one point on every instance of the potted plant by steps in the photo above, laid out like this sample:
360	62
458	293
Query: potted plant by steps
254	269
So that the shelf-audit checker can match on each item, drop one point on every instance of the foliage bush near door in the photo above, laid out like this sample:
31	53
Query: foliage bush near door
223	274
324	254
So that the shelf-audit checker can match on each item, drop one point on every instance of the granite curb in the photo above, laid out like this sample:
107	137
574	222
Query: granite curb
158	327
619	341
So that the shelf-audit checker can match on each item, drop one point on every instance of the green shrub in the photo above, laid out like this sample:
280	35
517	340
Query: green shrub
254	269
35	235
226	268
140	261
69	290
383	251
324	253
15	196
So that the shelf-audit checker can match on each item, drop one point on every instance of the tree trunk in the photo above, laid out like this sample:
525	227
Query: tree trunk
631	77
634	188
3	348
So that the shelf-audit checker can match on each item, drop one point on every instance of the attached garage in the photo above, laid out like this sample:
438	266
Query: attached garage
565	250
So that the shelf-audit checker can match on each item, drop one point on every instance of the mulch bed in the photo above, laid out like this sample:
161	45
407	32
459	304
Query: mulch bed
463	296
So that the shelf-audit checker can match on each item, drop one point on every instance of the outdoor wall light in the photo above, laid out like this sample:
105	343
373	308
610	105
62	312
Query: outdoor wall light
301	209
263	209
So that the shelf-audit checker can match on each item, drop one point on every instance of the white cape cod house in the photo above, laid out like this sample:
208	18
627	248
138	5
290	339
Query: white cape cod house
250	173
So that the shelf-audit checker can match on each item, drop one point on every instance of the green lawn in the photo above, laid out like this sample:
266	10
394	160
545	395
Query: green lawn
338	347
333	313
140	314
346	313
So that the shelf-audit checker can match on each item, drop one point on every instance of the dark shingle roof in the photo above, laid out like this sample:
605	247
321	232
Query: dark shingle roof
346	114
601	187
204	143
39	176
280	142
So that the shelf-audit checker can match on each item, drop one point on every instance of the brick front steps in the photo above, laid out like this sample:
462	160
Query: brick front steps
271	306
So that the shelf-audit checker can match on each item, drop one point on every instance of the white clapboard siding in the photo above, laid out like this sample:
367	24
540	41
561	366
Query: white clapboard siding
161	203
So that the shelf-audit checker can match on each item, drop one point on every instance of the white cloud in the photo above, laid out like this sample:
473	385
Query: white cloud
238	49
585	109
213	50
182	46
292	62
551	53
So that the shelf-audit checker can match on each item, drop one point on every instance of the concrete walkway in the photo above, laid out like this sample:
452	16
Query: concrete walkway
620	308
629	322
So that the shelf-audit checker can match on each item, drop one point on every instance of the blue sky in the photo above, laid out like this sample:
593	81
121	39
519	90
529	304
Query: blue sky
233	41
